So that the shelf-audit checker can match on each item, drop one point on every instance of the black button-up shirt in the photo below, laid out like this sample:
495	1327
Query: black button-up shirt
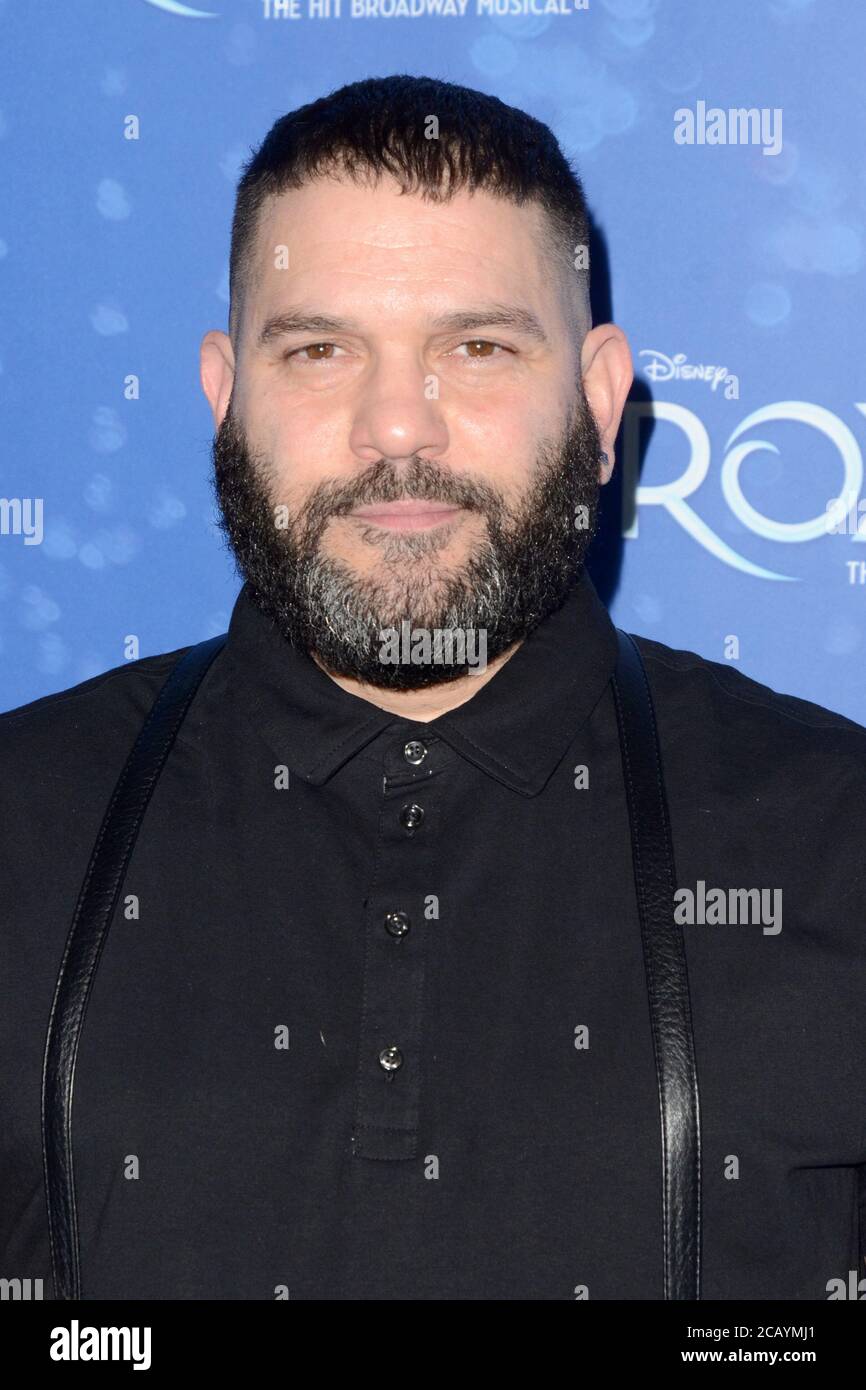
371	1021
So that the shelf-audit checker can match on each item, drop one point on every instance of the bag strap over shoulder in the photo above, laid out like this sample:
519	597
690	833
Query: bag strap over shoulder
87	935
666	975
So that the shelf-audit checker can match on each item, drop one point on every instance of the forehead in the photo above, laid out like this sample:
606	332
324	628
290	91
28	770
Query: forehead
352	248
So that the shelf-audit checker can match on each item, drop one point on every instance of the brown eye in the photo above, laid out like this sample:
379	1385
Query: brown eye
480	343
311	353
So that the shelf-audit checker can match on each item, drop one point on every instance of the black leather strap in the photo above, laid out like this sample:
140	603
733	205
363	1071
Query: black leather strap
667	979
87	936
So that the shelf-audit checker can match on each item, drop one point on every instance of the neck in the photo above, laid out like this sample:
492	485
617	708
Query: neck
422	705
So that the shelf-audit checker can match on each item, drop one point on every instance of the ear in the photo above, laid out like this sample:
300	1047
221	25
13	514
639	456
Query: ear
607	375
217	372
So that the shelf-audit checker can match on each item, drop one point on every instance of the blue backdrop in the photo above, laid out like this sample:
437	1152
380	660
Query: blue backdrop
729	248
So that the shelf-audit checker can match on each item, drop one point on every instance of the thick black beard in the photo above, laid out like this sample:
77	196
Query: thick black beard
524	570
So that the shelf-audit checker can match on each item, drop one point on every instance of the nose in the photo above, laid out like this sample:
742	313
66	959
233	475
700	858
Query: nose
398	414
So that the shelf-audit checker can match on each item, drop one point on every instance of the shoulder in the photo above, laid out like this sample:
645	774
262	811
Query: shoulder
751	751
765	788
687	683
61	756
716	721
83	727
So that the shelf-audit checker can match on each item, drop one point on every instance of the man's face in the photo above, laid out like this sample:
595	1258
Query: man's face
392	450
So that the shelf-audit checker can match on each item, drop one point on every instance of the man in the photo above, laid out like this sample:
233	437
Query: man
400	965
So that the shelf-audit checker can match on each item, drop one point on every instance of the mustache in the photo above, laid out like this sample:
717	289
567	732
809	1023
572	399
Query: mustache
420	481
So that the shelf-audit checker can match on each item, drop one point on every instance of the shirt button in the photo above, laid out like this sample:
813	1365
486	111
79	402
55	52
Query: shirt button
390	1059
415	752
412	816
397	923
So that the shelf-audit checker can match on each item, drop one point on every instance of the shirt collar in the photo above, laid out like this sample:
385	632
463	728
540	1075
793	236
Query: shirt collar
516	727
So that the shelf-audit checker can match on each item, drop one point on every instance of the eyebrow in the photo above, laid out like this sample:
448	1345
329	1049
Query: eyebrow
462	321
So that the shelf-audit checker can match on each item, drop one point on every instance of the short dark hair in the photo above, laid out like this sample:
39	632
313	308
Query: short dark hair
379	126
